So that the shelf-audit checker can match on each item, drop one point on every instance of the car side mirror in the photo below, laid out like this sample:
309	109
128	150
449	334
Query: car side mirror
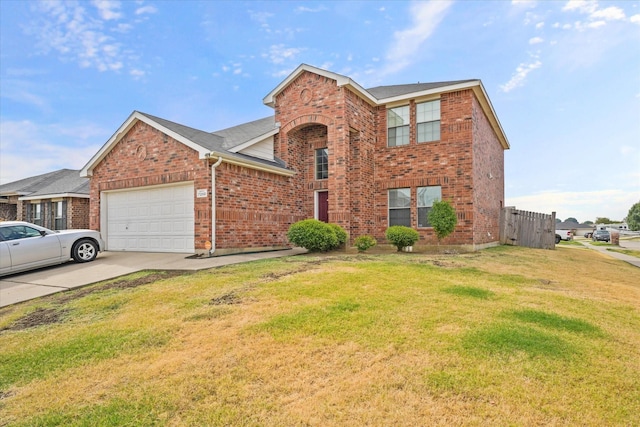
43	233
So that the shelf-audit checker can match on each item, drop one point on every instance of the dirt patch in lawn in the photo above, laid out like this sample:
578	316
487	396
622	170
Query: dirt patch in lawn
120	284
38	317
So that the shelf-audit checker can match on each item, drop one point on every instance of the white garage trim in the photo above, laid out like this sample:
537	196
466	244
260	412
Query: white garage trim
149	219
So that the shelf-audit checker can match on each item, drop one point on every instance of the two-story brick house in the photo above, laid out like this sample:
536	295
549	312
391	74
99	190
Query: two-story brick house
362	158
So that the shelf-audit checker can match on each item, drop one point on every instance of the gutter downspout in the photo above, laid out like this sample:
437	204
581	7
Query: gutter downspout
213	205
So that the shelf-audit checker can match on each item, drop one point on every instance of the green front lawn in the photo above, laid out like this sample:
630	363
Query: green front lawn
505	336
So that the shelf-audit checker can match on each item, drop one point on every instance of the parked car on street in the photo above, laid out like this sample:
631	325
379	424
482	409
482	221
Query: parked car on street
588	234
25	246
563	235
601	236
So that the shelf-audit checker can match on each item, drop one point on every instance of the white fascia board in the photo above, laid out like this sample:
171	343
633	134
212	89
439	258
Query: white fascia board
341	80
136	116
253	141
215	155
481	94
425	93
55	196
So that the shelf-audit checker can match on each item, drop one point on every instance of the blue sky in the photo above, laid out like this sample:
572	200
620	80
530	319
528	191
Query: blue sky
563	77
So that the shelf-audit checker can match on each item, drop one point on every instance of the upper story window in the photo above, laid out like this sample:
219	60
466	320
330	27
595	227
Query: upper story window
428	121
398	126
400	207
426	197
322	163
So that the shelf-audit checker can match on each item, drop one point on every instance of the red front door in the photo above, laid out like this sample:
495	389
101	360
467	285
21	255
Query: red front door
323	206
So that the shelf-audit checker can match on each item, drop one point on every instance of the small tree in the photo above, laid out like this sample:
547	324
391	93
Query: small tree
401	236
603	220
633	217
571	219
442	218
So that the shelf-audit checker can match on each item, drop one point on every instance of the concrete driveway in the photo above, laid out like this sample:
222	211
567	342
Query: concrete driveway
108	265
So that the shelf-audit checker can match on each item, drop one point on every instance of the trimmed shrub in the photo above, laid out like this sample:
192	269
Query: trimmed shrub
442	218
316	236
365	242
401	236
340	234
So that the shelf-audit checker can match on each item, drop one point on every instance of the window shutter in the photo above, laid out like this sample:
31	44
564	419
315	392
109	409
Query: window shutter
64	215
49	216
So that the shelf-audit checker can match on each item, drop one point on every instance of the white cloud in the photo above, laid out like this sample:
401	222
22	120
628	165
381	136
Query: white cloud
520	75
426	18
108	9
137	74
609	14
535	40
582	205
83	34
539	25
146	10
58	146
304	9
582	6
635	19
524	3
279	53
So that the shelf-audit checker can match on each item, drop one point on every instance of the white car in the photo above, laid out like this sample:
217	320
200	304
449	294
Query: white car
25	246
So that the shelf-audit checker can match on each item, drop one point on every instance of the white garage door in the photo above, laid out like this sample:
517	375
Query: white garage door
156	219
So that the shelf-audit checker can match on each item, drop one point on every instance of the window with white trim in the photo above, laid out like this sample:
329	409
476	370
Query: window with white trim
426	197
428	121
322	163
58	217
398	126
36	213
400	207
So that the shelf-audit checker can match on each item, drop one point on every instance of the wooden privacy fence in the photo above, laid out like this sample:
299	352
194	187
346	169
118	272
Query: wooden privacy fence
530	229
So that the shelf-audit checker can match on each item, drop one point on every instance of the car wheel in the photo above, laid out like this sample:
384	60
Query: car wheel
84	250
557	239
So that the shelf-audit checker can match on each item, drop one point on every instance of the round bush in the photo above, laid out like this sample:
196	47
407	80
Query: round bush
313	235
340	233
401	236
365	242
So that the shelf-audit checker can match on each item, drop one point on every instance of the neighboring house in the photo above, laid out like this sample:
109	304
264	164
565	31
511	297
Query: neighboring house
361	158
57	200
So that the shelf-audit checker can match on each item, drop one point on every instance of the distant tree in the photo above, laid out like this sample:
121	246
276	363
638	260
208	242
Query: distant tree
588	222
603	220
571	219
633	217
558	220
442	218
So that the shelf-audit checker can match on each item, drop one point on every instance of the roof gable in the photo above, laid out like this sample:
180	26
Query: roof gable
341	80
200	141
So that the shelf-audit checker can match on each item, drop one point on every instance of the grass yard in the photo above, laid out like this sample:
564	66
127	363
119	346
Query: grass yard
505	336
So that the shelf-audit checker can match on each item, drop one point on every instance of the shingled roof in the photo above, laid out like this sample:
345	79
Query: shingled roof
57	183
383	92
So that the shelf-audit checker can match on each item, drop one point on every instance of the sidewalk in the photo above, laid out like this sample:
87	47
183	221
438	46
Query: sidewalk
604	250
37	283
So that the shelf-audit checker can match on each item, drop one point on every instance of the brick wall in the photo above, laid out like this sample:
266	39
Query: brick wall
78	212
145	156
488	179
447	163
253	208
